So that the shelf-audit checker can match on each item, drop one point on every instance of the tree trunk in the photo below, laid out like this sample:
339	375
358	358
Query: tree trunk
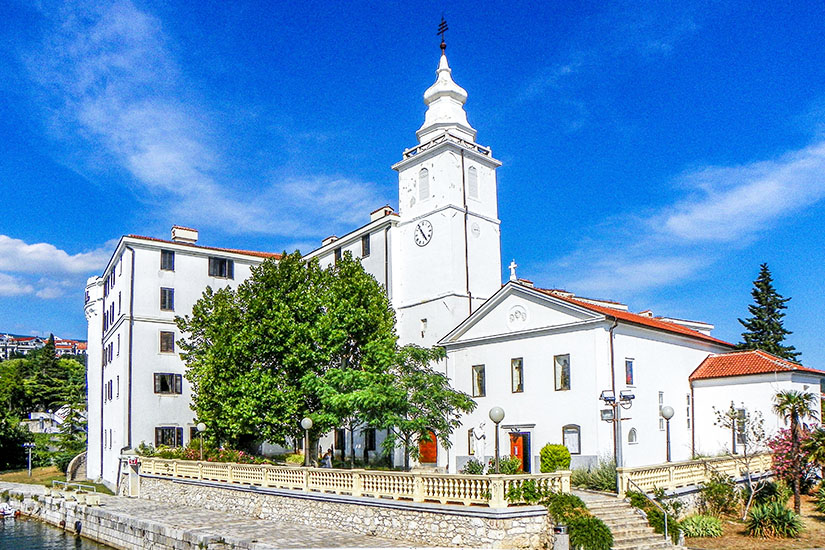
407	454
797	467
351	446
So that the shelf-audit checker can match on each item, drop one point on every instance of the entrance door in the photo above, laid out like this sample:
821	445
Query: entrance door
428	450
520	448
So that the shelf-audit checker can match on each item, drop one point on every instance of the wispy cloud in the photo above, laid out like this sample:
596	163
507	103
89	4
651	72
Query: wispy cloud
111	79
13	286
724	208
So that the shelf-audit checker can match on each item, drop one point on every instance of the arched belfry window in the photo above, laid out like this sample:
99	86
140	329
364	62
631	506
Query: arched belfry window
472	182
423	184
632	436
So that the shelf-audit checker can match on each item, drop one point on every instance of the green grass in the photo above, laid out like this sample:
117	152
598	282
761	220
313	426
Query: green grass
44	476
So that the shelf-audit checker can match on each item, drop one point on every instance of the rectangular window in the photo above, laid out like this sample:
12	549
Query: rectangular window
365	246
628	372
170	436
167	260
369	439
168	383
167	299
517	374
571	435
341	439
221	267
479	387
562	365
167	342
741	436
119	302
471	442
337	254
661	404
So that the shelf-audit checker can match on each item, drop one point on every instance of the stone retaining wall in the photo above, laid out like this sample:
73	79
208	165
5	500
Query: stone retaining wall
427	524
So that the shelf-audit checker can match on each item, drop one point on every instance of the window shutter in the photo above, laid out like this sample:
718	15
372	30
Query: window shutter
230	269
158	435
178	383
157	383
179	437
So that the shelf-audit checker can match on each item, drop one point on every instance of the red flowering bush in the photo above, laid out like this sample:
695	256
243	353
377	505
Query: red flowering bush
210	454
780	446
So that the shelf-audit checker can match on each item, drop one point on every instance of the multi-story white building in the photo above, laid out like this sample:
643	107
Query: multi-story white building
544	356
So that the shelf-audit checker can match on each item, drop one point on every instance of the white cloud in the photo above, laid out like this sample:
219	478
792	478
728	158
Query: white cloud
725	205
13	286
18	256
110	70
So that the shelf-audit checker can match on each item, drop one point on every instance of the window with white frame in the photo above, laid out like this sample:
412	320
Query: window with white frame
572	438
632	437
628	372
168	383
167	341
562	372
365	245
167	260
167	299
221	267
169	436
479	384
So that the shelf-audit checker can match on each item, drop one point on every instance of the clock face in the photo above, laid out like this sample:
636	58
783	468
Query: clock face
423	233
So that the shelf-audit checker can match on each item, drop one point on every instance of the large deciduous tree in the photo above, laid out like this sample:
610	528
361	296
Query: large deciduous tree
795	406
764	329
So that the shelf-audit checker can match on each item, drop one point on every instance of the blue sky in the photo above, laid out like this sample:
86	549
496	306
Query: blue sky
653	153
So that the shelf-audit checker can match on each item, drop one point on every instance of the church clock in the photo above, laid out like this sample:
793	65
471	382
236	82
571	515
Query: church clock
423	233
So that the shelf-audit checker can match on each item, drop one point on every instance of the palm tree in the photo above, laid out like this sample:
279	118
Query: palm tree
795	405
815	447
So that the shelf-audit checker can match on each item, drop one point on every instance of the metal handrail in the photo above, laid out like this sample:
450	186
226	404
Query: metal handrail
656	504
66	485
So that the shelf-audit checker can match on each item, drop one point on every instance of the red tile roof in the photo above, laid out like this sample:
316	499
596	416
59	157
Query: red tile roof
635	318
740	363
232	250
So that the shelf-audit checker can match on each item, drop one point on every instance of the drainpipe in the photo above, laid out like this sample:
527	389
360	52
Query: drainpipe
131	337
387	262
466	243
693	423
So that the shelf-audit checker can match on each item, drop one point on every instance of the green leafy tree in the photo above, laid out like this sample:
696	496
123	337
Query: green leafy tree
413	399
764	329
12	437
72	438
12	386
796	406
46	379
294	340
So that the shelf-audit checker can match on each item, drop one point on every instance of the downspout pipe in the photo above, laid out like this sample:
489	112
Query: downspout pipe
693	423
131	339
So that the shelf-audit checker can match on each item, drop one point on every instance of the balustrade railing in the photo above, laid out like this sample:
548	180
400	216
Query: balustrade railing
485	490
673	475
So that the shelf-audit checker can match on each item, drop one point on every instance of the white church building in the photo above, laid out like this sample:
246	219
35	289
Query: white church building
544	356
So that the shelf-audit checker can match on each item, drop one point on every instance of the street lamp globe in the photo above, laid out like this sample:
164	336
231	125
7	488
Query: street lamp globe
667	412
496	414
306	423
201	427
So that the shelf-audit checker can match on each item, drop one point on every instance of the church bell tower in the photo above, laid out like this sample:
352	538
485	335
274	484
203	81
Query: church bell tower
448	237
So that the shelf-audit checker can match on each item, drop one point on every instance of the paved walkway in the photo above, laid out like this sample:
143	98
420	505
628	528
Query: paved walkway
247	532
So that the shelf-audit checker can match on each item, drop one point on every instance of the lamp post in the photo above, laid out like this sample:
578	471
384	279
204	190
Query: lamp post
201	428
29	447
306	424
667	414
497	415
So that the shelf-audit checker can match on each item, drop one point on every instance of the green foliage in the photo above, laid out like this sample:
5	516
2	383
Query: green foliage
773	520
701	526
718	496
814	447
819	499
554	457
507	465
473	467
771	491
295	458
764	329
655	517
12	437
601	478
561	506
589	533
795	406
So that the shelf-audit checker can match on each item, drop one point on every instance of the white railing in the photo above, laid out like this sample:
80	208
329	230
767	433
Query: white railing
487	490
691	472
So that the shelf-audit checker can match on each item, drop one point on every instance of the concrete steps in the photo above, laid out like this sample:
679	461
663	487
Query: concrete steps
630	529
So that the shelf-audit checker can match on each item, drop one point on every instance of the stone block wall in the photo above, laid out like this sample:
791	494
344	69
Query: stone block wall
427	524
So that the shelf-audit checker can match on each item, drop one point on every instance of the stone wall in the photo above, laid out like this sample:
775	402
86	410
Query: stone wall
427	524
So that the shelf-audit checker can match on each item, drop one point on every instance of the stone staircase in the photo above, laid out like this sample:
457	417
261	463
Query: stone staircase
630	529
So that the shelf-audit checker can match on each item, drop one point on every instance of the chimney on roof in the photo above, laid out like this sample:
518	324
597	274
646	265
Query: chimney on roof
184	235
329	240
646	313
381	212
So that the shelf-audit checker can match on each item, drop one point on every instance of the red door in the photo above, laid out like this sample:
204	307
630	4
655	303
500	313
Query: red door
428	450
520	448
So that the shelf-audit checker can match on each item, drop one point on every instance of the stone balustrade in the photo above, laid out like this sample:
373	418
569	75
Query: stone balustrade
673	475
487	490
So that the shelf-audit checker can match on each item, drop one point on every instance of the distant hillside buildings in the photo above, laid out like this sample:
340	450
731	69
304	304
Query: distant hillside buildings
11	344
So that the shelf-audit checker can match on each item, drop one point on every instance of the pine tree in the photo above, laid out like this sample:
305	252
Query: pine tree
764	329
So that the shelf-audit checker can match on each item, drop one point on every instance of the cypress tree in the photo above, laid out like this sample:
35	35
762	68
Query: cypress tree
764	330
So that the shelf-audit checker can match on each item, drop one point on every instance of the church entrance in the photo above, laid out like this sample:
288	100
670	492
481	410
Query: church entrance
428	450
520	448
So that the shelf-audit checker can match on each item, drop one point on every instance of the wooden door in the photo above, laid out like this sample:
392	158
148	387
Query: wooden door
428	450
520	448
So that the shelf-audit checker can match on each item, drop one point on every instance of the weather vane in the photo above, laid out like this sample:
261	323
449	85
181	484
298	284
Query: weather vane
442	28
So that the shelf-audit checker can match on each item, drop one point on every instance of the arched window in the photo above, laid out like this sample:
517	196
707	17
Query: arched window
472	182
423	184
571	435
631	436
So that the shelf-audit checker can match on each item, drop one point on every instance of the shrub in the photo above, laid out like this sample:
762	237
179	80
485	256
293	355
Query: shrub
718	496
601	478
473	467
782	459
820	499
62	460
773	520
295	458
562	506
509	465
701	526
655	518
773	491
589	533
554	457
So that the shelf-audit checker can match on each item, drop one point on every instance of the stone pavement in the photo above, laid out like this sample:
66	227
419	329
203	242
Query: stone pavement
235	530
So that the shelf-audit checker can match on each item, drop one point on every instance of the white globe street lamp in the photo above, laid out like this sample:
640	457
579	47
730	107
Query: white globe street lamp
201	427
497	415
667	413
306	424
